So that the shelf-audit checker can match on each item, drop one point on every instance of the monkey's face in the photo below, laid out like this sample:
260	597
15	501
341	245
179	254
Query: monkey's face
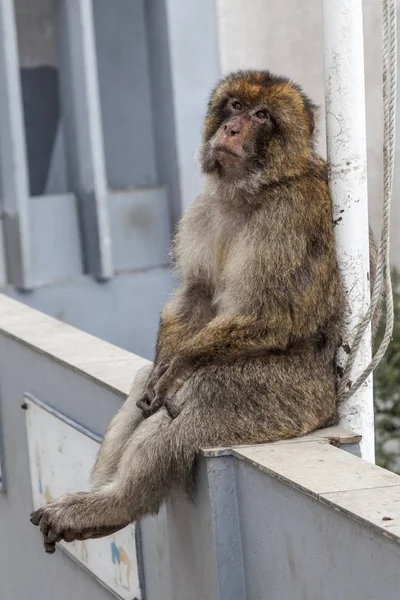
237	145
256	123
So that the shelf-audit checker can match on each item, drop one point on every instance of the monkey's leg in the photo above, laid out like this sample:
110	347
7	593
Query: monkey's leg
127	419
262	400
146	472
159	455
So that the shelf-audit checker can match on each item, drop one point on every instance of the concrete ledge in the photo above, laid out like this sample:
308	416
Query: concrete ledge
112	367
336	436
316	466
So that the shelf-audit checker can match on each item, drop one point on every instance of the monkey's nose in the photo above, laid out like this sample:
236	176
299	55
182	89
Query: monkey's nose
232	130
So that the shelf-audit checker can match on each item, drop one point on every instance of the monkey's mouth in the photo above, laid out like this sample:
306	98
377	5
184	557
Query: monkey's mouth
221	150
221	159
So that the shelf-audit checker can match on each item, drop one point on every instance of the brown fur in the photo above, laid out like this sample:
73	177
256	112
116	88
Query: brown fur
246	346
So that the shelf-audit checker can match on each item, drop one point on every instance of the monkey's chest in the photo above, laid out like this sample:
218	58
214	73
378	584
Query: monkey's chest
210	251
228	264
220	255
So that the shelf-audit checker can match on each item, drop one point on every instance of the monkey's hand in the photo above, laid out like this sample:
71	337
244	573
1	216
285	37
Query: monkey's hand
146	400
178	371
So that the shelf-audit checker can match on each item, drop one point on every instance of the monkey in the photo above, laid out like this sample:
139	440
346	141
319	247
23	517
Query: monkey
246	345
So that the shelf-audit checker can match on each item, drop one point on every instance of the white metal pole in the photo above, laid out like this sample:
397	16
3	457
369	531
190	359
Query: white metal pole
347	160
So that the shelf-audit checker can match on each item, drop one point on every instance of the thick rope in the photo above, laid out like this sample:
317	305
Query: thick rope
382	285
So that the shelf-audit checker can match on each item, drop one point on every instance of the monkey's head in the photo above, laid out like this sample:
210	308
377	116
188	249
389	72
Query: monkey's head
259	127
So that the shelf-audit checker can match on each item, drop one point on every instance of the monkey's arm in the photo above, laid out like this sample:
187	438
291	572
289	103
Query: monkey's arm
188	312
302	310
224	339
227	338
173	332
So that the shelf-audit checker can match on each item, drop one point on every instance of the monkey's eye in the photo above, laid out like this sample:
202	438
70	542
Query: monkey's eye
263	114
236	105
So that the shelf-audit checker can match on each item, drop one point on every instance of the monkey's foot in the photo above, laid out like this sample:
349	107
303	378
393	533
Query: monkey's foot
74	517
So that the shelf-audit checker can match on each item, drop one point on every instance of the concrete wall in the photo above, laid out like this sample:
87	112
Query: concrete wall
292	520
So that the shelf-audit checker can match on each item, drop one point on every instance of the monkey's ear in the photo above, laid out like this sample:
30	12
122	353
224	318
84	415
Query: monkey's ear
312	121
312	116
311	111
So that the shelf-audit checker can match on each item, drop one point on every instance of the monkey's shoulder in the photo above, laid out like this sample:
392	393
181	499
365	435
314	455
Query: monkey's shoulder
299	200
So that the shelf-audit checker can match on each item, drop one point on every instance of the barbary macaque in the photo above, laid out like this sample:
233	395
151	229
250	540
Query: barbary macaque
246	346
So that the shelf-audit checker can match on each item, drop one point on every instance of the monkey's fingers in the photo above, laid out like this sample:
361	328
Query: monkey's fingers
167	402
151	409
154	378
158	373
171	409
143	403
150	394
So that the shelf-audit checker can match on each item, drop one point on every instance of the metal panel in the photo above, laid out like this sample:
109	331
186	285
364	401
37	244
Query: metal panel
163	109
13	162
226	528
125	93
83	130
55	238
139	221
3	482
195	67
61	454
189	548
181	35
57	177
3	274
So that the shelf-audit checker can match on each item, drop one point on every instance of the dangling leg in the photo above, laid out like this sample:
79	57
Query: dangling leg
158	453
127	419
259	401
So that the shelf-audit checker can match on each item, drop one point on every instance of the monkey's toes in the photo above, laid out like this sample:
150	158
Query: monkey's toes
36	516
49	547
